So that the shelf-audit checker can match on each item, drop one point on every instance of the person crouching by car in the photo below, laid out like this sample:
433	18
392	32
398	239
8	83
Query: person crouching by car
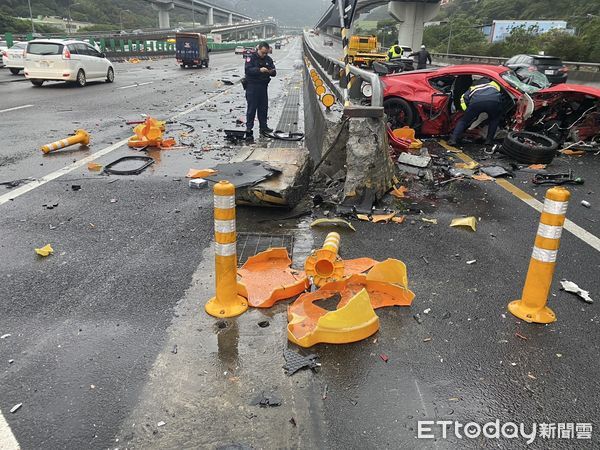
259	69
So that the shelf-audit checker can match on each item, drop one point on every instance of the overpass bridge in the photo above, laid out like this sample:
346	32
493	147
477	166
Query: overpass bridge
410	14
206	11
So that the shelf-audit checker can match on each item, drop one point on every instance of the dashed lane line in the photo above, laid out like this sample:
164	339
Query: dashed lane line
71	167
136	85
15	108
587	237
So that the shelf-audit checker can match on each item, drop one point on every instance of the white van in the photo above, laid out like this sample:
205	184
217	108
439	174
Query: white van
66	60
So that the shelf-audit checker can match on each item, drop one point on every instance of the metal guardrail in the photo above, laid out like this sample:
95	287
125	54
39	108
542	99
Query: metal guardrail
330	68
572	65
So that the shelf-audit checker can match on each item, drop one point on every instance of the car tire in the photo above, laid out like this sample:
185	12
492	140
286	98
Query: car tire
81	80
399	112
14	71
110	75
529	148
206	63
37	83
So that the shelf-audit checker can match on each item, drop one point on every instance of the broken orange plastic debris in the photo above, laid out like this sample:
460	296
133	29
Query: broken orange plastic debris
310	324
200	173
269	278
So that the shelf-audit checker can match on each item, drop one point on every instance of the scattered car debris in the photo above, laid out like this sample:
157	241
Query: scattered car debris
146	160
473	261
385	358
470	222
571	287
266	400
4	336
332	222
295	362
94	167
243	174
174	349
161	424
45	250
482	177
264	323
495	171
15	183
414	160
557	179
399	192
418	318
15	408
433	221
200	173
586	203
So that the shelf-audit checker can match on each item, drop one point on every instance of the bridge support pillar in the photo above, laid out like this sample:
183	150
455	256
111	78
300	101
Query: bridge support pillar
412	17
210	19
163	14
230	19
264	33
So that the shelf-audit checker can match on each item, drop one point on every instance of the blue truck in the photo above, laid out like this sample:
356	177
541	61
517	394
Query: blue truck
191	50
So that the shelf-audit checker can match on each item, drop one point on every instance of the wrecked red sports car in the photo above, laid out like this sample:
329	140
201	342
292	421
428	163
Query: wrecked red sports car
429	101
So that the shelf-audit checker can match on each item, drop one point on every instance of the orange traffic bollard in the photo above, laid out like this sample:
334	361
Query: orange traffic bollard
227	302
324	264
532	305
80	137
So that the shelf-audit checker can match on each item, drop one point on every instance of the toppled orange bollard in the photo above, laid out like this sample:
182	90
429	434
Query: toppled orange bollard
386	284
269	278
148	134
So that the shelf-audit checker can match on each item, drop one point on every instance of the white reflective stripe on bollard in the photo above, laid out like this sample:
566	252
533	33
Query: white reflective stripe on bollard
224	201
224	226
549	231
543	255
554	207
225	249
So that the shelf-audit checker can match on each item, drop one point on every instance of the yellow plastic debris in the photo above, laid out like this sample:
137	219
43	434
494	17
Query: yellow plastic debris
383	217
399	219
389	271
200	173
94	167
470	222
400	192
471	165
363	217
310	324
334	222
45	250
425	219
537	166
482	177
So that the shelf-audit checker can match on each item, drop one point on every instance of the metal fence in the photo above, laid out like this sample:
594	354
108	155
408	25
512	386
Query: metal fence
331	69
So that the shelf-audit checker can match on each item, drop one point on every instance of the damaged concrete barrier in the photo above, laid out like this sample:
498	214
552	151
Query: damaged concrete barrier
231	297
532	305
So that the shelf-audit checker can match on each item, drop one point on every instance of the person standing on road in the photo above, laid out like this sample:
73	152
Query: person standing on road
423	57
484	96
394	52
259	69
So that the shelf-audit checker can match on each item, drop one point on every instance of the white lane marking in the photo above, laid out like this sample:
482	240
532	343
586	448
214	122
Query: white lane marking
135	85
7	438
15	108
60	172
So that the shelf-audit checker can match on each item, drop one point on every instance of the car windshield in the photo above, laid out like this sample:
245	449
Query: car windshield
526	81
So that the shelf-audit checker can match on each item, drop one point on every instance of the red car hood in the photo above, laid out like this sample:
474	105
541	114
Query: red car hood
570	88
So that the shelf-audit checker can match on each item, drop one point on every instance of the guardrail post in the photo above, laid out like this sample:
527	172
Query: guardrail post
103	44
121	45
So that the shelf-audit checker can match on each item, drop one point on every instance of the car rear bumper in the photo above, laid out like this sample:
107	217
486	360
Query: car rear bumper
40	75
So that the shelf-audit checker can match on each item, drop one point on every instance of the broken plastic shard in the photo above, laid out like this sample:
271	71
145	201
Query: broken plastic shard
310	324
482	177
571	287
362	217
358	265
399	192
425	219
4	336
200	173
269	278
294	362
383	217
45	250
94	167
471	165
263	400
494	171
15	408
470	222
332	222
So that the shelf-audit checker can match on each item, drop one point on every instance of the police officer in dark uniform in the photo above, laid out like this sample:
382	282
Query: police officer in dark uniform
259	70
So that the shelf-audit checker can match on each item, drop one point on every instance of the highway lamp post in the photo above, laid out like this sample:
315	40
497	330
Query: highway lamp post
121	17
31	16
193	15
70	20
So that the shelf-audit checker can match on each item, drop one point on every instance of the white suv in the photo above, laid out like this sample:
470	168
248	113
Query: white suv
66	60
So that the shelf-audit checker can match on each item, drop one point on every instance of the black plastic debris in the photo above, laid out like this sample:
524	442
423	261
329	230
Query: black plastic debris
15	183
147	162
263	323
495	171
235	136
294	362
360	204
265	400
243	174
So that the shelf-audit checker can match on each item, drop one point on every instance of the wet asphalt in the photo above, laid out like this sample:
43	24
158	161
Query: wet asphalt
111	347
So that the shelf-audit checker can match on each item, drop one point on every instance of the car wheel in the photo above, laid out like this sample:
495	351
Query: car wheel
529	148
110	76
399	113
81	81
14	71
37	83
206	63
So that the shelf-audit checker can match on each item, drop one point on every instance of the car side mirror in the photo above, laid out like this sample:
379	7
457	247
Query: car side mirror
102	55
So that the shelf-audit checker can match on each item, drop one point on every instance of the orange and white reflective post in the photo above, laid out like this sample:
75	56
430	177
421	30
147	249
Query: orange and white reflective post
80	137
532	305
227	302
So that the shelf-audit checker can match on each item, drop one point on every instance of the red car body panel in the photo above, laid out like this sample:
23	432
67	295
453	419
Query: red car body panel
432	106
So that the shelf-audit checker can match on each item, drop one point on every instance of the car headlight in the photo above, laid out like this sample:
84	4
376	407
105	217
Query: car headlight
367	90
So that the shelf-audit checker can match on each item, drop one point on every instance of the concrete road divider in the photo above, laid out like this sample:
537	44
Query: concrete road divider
532	305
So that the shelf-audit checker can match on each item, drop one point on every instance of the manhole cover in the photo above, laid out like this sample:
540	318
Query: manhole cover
249	244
